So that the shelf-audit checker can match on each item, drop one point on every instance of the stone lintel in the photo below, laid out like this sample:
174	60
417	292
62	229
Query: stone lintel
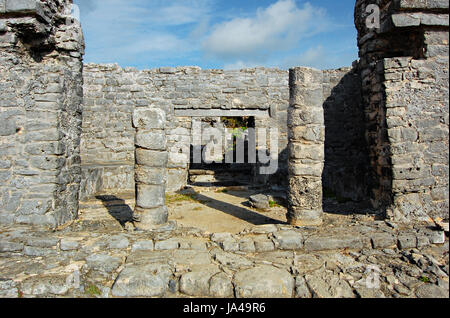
221	113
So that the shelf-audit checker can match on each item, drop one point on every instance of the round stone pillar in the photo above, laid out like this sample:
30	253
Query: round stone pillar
306	147
150	169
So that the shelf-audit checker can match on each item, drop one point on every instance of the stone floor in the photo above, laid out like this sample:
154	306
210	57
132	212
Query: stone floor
349	256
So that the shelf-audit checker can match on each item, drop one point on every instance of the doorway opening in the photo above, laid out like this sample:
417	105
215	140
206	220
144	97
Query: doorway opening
230	167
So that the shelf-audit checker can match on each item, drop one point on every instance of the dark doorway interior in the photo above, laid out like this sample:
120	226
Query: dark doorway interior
220	172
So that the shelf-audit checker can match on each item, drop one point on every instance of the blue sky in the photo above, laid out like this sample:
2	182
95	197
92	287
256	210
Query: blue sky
230	34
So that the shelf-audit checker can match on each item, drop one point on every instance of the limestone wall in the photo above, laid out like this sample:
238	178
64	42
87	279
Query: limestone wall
404	69
346	171
40	112
111	94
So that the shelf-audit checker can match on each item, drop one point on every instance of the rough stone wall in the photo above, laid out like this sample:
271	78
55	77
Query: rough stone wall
41	49
346	170
404	70
112	93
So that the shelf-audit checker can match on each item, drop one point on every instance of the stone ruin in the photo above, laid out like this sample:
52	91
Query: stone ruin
375	132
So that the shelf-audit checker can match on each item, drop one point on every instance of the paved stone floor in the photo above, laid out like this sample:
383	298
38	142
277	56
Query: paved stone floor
349	256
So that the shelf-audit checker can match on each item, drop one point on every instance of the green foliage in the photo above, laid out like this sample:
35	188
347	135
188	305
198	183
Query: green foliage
273	204
424	279
93	291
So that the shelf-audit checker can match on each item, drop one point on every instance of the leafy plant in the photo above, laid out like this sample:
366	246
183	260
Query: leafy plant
424	279
93	290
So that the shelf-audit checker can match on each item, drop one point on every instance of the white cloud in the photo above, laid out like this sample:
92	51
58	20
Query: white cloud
240	65
313	57
276	28
128	31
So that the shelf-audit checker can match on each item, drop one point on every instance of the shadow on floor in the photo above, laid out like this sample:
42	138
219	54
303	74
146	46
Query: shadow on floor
236	211
117	208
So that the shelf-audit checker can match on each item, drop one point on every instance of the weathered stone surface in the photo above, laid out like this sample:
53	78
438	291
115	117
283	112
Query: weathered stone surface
317	243
289	240
103	262
149	118
431	291
149	280
118	242
259	201
264	282
197	282
301	288
68	245
220	286
143	245
169	244
10	247
407	241
381	240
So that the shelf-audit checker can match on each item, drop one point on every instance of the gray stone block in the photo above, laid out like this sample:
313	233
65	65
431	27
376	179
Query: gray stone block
10	247
149	175
264	282
151	280
143	246
103	262
151	158
153	140
149	218
317	243
382	240
68	245
169	244
197	282
21	6
167	70
7	125
150	196
289	240
42	242
145	118
407	241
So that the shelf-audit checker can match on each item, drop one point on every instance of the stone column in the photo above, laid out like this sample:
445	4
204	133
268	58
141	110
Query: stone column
150	168
306	147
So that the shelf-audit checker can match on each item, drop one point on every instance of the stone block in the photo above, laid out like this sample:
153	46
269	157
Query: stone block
383	240
152	140
149	218
264	245
289	240
68	245
197	282
7	125
167	70
407	241
317	243
150	175
145	118
2	8
150	280
169	244
10	247
151	158
20	6
264	282
143	246
150	196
